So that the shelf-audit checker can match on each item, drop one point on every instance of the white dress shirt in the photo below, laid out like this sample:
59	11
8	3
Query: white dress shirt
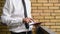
13	14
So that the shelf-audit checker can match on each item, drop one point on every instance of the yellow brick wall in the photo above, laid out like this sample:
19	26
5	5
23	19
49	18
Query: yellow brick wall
42	11
47	11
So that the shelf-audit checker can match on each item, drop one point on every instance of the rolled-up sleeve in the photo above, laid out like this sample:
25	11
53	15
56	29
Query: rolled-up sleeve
6	16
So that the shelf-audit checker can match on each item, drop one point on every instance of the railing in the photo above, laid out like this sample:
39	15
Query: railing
42	30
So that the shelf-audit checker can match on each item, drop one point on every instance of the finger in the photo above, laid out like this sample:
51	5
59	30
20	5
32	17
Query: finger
27	20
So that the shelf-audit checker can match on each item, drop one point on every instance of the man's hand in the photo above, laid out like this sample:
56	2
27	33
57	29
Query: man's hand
27	20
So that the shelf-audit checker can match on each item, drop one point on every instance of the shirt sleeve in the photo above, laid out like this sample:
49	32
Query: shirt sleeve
28	6
6	16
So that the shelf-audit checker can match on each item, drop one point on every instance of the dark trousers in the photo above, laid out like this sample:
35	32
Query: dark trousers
29	32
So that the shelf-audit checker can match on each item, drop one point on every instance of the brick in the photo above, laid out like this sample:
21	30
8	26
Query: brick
42	24
0	21
58	30
42	7
53	1
42	1
48	11
56	4
0	10
46	21
2	32
49	17
36	4
53	7
58	24
55	27
8	32
1	7
45	14
5	30
55	14
54	20
34	11
34	7
36	20
57	17
41	17
33	1
2	2
33	30
47	4
35	14
40	11
47	26
3	27
42	20
57	11
37	11
50	24
0	14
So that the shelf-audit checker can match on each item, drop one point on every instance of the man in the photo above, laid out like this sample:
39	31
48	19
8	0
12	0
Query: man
13	16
